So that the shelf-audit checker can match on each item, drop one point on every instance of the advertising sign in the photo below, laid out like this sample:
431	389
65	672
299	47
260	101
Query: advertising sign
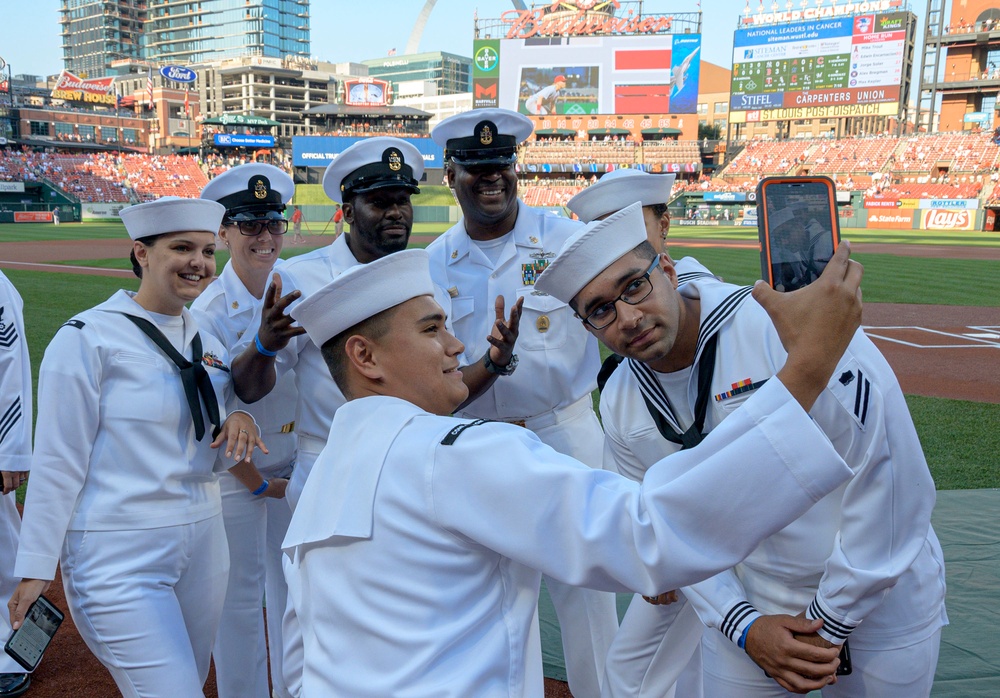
236	140
178	73
725	196
579	18
11	187
101	210
936	219
32	216
485	73
320	151
896	220
72	88
971	204
882	203
846	66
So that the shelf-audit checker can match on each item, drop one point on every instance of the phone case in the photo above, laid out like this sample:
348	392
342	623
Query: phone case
38	636
766	223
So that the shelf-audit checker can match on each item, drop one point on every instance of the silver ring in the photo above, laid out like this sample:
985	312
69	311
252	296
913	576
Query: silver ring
244	431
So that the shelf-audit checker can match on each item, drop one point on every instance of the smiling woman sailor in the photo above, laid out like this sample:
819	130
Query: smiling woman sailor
131	401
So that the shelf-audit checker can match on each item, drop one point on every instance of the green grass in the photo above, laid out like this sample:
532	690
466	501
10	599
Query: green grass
969	238
430	195
888	278
961	440
36	232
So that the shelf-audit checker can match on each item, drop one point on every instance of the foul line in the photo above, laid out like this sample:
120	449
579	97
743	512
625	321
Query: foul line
980	342
67	267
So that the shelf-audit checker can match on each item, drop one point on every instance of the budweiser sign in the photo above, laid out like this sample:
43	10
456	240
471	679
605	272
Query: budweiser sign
940	219
581	18
73	88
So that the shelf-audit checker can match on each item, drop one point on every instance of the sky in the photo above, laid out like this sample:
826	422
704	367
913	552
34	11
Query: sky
353	30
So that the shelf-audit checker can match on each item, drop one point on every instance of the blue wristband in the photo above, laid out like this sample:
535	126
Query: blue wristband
260	490
261	349
742	642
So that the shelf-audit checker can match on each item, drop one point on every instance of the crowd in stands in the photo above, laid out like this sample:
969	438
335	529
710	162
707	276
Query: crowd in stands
963	27
381	127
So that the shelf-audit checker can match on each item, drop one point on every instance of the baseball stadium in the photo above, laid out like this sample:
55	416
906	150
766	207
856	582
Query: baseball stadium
895	101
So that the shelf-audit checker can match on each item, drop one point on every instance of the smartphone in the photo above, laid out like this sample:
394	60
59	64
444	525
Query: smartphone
798	229
27	644
844	668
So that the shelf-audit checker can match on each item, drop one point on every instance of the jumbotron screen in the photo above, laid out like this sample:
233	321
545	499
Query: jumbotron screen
590	75
848	66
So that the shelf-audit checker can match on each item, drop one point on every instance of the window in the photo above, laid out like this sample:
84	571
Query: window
129	135
703	107
38	128
721	108
109	134
63	129
86	132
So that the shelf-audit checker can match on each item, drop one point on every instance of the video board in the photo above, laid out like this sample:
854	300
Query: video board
846	66
589	75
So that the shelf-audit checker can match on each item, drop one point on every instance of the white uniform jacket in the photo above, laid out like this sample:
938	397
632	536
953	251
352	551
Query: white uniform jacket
15	383
866	552
420	559
318	396
225	310
559	359
115	447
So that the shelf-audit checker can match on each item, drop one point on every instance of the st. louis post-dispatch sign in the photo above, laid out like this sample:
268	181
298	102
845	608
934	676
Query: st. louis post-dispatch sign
815	112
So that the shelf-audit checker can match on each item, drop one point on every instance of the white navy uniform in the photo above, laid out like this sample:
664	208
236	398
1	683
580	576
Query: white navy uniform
255	526
122	488
318	396
549	393
15	440
866	552
420	560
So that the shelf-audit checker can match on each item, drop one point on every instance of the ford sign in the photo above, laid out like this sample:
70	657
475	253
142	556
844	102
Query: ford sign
178	73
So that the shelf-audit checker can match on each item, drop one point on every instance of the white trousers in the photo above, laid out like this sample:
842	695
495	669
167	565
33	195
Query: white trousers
907	672
255	527
656	653
10	528
147	603
292	658
588	619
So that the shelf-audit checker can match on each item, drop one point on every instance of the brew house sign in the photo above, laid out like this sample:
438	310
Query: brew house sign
581	18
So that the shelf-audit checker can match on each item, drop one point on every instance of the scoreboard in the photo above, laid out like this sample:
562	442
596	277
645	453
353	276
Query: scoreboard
847	66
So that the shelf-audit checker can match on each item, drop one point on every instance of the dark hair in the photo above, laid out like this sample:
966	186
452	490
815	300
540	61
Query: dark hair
148	242
658	209
334	349
645	251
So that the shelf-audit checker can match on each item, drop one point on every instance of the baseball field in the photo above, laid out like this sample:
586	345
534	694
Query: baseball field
932	305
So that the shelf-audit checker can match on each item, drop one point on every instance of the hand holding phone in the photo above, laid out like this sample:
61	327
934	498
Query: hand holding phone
28	643
798	229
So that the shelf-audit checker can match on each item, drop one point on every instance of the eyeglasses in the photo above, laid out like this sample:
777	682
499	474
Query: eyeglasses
275	226
636	292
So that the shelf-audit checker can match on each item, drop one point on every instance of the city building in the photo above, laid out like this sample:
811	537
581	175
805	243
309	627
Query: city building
96	33
213	30
423	74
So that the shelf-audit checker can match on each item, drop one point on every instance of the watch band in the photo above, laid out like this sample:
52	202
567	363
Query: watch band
499	370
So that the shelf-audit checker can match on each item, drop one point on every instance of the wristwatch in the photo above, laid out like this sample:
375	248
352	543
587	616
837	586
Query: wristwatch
499	370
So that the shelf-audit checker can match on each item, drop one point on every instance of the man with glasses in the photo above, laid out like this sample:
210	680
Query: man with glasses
253	230
499	248
866	552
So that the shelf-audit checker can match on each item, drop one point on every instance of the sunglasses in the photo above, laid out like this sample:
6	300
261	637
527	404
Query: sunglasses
275	226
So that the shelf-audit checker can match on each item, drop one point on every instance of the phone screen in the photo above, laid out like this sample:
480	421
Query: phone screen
800	233
28	643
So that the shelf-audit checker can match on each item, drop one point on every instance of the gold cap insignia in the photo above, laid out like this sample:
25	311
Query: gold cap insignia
395	160
236	304
534	240
486	135
454	254
260	189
